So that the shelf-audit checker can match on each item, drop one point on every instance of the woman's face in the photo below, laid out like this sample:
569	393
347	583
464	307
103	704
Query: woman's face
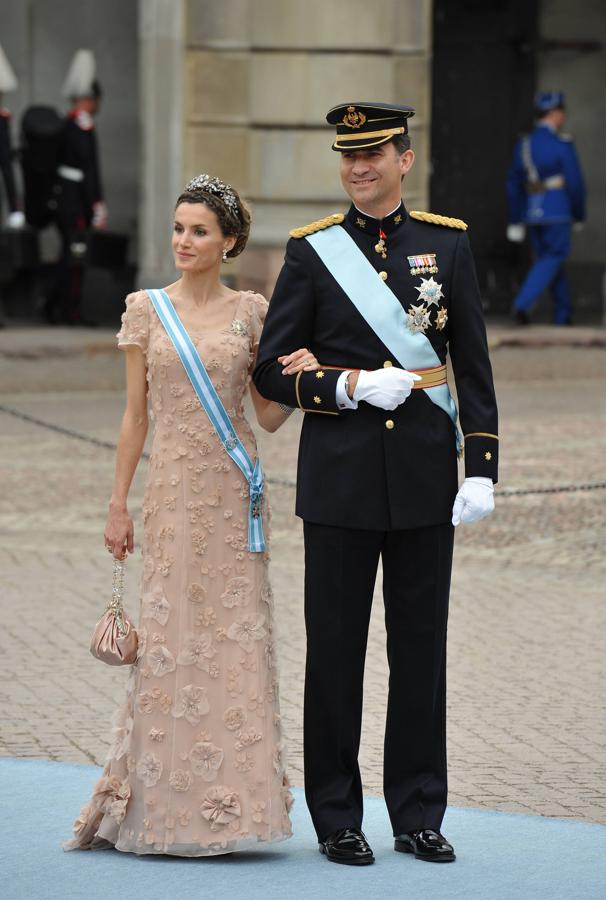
198	241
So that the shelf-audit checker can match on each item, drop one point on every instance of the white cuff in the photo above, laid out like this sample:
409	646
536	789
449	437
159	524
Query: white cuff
342	398
479	479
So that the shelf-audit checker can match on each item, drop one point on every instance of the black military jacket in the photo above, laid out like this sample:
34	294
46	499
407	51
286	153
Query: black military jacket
368	468
6	162
78	150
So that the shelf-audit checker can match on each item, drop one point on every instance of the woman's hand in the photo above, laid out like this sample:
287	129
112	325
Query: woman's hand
119	532
301	360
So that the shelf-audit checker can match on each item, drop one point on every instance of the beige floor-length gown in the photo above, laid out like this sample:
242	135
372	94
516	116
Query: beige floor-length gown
196	763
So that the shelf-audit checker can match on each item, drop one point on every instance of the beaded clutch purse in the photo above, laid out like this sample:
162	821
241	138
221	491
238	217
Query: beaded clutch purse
114	639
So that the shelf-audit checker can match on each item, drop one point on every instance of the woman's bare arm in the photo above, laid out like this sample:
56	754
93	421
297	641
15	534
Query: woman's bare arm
119	532
270	415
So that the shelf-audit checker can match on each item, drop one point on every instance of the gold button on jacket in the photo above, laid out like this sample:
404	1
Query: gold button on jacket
389	424
387	364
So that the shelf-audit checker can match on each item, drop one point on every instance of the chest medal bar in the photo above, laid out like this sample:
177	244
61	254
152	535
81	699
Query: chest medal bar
423	264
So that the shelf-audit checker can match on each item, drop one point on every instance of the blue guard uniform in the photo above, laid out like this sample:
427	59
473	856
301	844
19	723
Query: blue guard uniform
546	193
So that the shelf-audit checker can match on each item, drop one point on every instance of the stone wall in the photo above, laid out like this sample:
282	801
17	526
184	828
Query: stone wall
259	78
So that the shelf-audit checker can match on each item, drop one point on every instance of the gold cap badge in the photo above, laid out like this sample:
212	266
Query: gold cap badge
353	118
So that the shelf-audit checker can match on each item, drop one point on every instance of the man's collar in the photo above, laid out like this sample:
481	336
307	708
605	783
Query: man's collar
369	225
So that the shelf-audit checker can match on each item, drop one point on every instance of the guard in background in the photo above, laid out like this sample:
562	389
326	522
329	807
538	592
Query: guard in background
8	82
380	296
78	191
15	217
546	193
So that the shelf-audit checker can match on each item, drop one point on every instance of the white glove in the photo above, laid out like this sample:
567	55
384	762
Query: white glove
516	233
385	388
99	215
15	219
474	500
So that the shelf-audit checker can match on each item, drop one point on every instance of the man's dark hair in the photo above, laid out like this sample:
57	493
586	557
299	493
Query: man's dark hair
401	142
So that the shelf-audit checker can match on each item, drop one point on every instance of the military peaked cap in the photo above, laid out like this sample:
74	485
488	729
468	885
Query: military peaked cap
547	100
365	124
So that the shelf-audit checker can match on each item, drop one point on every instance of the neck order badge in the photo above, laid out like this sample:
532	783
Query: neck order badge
216	412
382	310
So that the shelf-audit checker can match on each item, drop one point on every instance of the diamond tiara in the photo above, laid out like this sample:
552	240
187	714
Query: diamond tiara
213	185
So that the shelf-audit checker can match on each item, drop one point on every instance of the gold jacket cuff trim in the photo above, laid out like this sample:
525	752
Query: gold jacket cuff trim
321	412
482	434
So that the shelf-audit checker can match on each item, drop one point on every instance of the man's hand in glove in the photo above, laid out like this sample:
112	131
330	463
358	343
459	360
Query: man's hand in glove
474	500
385	388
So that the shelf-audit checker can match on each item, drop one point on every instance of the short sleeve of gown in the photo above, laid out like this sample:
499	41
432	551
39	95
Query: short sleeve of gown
135	322
257	320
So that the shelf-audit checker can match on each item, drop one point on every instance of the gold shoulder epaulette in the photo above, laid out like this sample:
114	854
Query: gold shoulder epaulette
434	219
335	219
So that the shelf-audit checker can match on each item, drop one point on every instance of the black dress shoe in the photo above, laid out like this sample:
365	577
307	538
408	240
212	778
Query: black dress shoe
521	317
426	844
347	846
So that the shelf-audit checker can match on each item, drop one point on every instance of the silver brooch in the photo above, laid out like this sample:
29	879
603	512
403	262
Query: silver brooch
239	327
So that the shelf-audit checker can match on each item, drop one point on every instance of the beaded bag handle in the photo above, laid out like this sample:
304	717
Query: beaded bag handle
116	602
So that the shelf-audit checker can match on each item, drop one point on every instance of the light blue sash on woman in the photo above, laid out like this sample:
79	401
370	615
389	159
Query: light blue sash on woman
216	412
381	309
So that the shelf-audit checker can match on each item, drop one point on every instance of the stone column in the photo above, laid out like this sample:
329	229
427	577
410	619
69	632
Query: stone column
260	76
162	56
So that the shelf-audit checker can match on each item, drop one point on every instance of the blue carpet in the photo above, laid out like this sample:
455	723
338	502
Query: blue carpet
500	856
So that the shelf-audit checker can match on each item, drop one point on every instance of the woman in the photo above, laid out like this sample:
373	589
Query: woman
195	768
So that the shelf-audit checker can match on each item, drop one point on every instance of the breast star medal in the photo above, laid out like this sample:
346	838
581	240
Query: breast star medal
430	291
441	318
418	319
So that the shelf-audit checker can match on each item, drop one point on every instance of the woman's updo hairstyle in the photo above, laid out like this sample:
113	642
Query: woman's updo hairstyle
231	211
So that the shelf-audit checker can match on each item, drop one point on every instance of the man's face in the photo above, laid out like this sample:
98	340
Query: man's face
372	177
89	104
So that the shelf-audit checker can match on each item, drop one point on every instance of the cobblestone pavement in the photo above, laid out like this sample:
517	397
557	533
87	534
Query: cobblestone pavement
526	685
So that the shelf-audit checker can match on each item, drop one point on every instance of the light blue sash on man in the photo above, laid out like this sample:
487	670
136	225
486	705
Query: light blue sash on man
216	412
382	310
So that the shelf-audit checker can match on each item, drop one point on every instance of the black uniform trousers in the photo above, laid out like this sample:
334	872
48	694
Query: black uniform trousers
340	573
72	219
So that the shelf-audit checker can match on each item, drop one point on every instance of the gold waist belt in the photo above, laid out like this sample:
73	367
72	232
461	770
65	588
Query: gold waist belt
429	377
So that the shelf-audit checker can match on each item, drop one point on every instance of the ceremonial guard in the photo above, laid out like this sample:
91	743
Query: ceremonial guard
8	82
379	295
15	217
78	191
546	193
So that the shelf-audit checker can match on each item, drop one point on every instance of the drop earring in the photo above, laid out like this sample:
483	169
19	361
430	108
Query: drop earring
224	255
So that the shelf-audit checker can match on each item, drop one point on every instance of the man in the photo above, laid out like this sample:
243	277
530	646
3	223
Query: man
546	192
78	192
8	82
377	294
15	217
